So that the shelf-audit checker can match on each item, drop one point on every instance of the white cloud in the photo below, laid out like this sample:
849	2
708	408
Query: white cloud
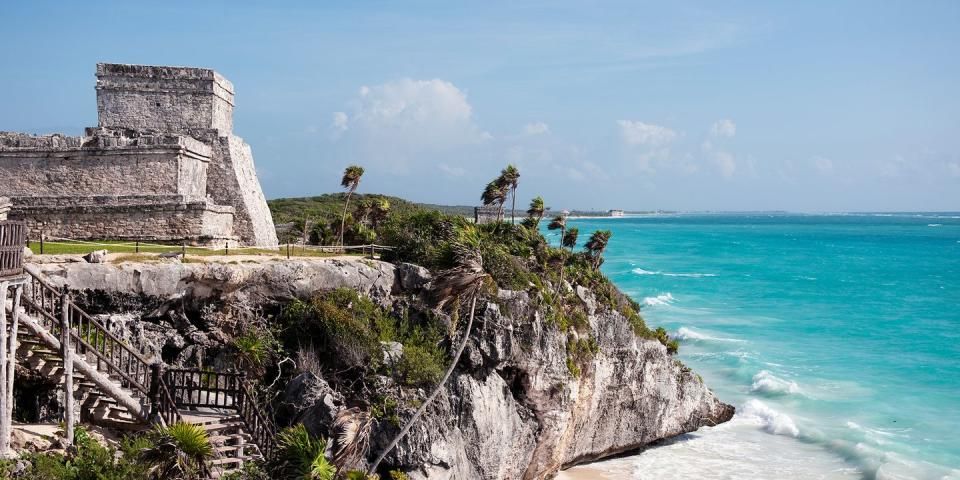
724	161
639	133
412	115
724	128
341	122
822	164
536	128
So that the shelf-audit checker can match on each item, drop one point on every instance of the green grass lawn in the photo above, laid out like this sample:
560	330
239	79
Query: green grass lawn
118	246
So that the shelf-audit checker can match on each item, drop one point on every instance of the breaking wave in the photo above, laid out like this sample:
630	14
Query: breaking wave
640	271
689	334
769	384
659	300
771	420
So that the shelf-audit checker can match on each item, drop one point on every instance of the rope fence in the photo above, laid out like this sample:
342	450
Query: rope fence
71	245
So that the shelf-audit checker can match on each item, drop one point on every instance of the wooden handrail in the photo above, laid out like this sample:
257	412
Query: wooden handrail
89	335
168	390
226	390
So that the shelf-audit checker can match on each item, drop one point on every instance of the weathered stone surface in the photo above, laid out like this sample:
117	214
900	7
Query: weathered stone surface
412	277
511	410
163	164
96	256
5	205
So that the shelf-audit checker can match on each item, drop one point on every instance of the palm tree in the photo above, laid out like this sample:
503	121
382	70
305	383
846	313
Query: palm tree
495	193
559	222
180	450
510	178
536	211
350	181
596	245
466	280
381	210
364	209
569	238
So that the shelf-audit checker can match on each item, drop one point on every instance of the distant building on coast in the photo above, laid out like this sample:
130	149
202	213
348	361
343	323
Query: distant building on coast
615	213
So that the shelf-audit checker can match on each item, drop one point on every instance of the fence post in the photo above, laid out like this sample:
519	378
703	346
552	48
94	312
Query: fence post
137	248
41	240
155	374
67	354
226	248
288	250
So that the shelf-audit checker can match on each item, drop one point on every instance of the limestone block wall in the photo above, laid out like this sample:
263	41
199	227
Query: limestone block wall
73	166
168	219
233	181
166	99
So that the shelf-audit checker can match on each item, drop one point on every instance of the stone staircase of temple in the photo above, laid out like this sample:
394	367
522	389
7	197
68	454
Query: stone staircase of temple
114	386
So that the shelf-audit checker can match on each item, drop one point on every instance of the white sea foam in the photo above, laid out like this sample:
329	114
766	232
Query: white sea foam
640	271
934	224
689	334
771	420
660	300
770	384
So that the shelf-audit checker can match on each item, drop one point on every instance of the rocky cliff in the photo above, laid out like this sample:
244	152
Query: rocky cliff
515	408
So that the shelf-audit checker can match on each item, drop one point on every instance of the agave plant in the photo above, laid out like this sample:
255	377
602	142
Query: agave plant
180	450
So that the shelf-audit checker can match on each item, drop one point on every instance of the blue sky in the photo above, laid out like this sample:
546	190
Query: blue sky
801	106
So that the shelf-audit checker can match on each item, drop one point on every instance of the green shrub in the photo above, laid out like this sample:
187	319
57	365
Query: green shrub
419	365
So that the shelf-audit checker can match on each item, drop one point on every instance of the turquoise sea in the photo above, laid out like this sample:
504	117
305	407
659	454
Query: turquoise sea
837	337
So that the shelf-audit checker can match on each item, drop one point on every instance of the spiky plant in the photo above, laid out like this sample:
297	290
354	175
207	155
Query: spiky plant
180	450
350	181
536	211
301	456
597	245
351	437
466	280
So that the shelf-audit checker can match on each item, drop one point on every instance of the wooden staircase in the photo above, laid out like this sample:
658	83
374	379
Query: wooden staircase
114	386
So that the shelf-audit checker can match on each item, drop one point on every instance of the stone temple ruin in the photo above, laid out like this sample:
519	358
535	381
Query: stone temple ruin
163	165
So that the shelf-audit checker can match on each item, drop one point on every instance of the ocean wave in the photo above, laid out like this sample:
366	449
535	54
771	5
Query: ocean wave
689	334
640	271
934	224
659	300
769	384
771	420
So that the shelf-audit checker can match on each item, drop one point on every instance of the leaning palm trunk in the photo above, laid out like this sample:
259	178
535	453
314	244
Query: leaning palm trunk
513	207
343	220
433	394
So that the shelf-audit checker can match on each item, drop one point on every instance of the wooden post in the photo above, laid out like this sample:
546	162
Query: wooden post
155	374
226	248
67	353
288	250
41	240
11	368
137	248
5	421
